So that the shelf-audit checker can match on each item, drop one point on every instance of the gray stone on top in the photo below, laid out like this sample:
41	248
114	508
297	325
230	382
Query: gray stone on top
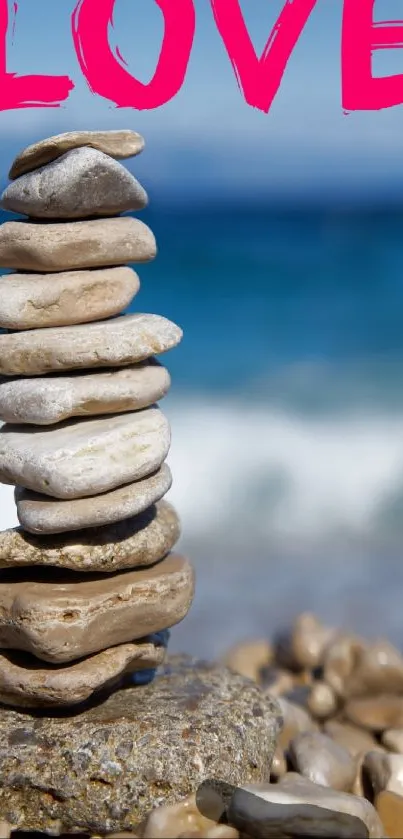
34	301
118	342
81	458
83	182
106	768
117	144
43	515
51	399
135	542
73	245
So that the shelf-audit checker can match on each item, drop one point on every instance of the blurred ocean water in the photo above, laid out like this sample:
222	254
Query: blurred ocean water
287	415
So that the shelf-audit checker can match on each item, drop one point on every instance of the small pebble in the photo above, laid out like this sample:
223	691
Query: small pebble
296	720
174	819
279	764
352	738
392	739
248	659
376	713
340	661
322	701
384	772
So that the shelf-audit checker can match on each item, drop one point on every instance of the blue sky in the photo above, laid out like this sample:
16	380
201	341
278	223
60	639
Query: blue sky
208	140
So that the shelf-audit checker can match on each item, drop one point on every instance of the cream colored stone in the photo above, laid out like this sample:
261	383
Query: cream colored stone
322	701
352	738
81	183
118	144
70	617
24	683
32	301
118	342
323	761
176	819
51	399
248	658
81	458
376	713
340	660
43	515
138	541
379	669
304	646
71	246
278	682
279	764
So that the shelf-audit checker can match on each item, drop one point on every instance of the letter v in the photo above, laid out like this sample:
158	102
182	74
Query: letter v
259	78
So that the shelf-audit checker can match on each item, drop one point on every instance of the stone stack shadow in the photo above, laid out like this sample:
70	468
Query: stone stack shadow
89	583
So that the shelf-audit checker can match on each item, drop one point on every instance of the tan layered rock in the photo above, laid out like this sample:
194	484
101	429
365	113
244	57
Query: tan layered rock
81	458
134	542
52	399
32	301
71	246
118	342
44	515
118	144
24	683
70	617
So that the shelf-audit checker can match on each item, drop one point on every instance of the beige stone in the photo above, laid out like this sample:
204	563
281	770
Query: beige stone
137	541
118	342
118	144
71	246
70	617
322	701
279	764
340	660
81	183
389	807
376	713
43	515
296	720
24	683
81	458
379	669
32	301
176	819
351	737
303	647
393	740
297	807
278	682
323	761
384	772
51	399
249	658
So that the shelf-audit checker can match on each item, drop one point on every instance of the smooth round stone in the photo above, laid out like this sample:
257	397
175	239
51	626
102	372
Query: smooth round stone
117	342
393	740
375	713
34	301
277	682
24	683
69	617
249	658
279	764
340	660
81	458
296	720
117	144
353	739
304	646
83	182
183	818
389	807
52	399
144	746
384	771
379	669
39	514
297	807
135	542
74	245
322	701
321	760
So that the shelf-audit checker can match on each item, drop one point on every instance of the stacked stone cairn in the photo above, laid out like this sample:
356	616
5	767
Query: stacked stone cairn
89	584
